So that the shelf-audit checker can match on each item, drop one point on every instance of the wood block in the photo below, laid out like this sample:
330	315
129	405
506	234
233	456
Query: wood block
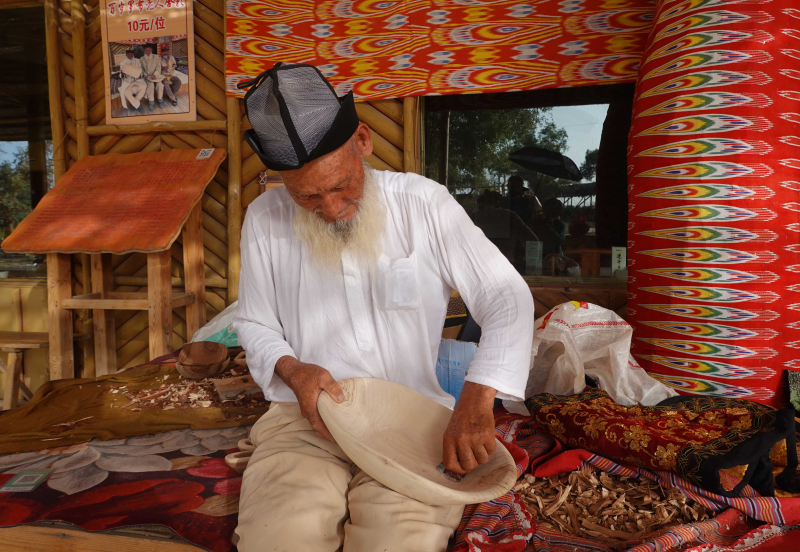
13	375
159	297
105	341
194	270
59	288
230	388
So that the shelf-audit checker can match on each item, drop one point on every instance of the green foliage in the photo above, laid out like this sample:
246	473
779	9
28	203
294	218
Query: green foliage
480	142
15	190
589	165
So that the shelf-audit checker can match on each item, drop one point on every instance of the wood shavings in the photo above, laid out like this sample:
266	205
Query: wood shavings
611	509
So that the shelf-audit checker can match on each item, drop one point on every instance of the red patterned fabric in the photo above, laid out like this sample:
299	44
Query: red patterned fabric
714	175
383	49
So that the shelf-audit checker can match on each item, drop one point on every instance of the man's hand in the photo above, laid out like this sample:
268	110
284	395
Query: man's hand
308	381
469	438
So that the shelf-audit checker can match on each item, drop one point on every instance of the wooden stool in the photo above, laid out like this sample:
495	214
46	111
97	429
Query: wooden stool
15	343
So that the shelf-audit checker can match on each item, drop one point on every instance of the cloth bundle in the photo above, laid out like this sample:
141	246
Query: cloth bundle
693	437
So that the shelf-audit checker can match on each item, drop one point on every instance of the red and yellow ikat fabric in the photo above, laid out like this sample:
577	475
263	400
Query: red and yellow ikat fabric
389	49
714	198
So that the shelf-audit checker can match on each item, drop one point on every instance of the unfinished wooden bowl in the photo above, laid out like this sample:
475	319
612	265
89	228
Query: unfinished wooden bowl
202	359
395	435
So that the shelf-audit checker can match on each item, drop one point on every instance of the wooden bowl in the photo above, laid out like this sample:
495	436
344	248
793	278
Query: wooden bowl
395	435
201	372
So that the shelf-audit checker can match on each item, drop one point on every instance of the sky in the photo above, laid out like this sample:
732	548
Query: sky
584	125
8	149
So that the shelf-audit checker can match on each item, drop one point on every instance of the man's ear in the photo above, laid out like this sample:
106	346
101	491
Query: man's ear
363	139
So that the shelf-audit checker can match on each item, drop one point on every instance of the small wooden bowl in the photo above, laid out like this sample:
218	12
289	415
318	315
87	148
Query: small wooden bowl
202	359
201	372
395	435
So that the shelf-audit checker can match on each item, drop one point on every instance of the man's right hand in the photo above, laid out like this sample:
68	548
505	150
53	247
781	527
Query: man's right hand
308	381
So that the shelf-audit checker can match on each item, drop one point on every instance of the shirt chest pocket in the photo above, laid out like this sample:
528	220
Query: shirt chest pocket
398	283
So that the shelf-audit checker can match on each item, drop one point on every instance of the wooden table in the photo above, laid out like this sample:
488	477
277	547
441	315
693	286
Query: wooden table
15	343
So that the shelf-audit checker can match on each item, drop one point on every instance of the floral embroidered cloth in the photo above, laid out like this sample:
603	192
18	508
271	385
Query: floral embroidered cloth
694	437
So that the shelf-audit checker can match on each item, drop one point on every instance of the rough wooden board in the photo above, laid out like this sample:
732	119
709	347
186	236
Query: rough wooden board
56	539
117	204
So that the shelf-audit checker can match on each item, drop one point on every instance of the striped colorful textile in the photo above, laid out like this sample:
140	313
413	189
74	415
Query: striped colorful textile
504	525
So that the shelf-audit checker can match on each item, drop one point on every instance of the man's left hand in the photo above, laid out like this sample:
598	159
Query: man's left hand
469	438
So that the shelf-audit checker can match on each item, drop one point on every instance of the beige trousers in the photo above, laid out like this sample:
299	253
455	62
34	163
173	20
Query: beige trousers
302	493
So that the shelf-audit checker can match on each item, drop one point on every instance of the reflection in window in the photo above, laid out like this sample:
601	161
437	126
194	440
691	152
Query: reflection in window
26	171
545	182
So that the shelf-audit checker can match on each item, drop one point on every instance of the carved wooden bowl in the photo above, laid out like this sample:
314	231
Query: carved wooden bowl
395	435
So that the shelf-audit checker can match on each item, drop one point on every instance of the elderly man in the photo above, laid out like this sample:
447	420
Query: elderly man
151	69
133	88
347	272
172	82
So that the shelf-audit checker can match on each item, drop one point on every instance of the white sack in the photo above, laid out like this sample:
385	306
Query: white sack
218	328
575	339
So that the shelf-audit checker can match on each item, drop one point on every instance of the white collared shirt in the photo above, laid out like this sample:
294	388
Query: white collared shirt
384	322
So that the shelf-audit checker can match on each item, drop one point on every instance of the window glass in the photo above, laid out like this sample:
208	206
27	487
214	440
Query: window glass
528	177
26	156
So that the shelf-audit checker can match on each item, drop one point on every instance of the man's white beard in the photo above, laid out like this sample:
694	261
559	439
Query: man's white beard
361	235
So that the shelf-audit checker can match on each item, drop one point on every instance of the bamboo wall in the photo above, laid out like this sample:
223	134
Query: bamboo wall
76	82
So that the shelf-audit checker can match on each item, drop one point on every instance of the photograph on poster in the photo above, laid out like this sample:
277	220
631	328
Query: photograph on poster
149	76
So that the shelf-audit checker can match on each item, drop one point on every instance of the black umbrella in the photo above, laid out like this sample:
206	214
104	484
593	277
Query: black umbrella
547	162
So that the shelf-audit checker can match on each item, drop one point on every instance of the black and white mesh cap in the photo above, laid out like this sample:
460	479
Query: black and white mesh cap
296	116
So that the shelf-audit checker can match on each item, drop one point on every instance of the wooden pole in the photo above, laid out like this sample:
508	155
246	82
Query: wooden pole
81	85
411	139
234	197
54	88
159	297
444	151
158	126
194	271
59	287
103	323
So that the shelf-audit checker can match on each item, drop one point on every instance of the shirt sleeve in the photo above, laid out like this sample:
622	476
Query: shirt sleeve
257	322
496	295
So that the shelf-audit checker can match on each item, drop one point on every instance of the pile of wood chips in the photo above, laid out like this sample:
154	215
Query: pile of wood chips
191	393
614	510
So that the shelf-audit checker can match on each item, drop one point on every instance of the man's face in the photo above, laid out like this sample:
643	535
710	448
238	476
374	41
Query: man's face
148	51
129	55
332	185
165	52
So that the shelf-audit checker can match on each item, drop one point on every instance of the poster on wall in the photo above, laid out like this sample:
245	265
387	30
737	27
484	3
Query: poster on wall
148	54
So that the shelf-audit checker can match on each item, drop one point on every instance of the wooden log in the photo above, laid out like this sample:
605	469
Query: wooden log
210	72
234	196
215	190
159	126
69	108
378	163
206	51
211	93
216	246
210	17
69	85
65	5
81	83
105	143
390	154
209	33
193	270
65	21
96	92
54	89
215	209
159	297
68	63
103	324
215	229
95	55
174	142
97	112
59	287
96	72
380	123
217	6
132	144
208	111
391	108
86	323
411	135
93	34
251	168
154	145
72	153
249	193
215	139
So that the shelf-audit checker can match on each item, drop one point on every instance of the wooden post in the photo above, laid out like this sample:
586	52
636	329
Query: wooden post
86	320
411	139
194	270
81	86
105	342
54	88
159	298
13	376
59	287
234	197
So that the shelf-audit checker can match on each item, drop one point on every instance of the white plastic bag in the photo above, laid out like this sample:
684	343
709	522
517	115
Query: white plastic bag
575	339
218	329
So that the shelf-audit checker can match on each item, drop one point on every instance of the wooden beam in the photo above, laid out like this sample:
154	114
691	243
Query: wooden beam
159	296
123	300
59	289
391	108
234	197
79	67
36	538
411	138
141	281
105	343
13	376
54	79
159	126
85	318
193	270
